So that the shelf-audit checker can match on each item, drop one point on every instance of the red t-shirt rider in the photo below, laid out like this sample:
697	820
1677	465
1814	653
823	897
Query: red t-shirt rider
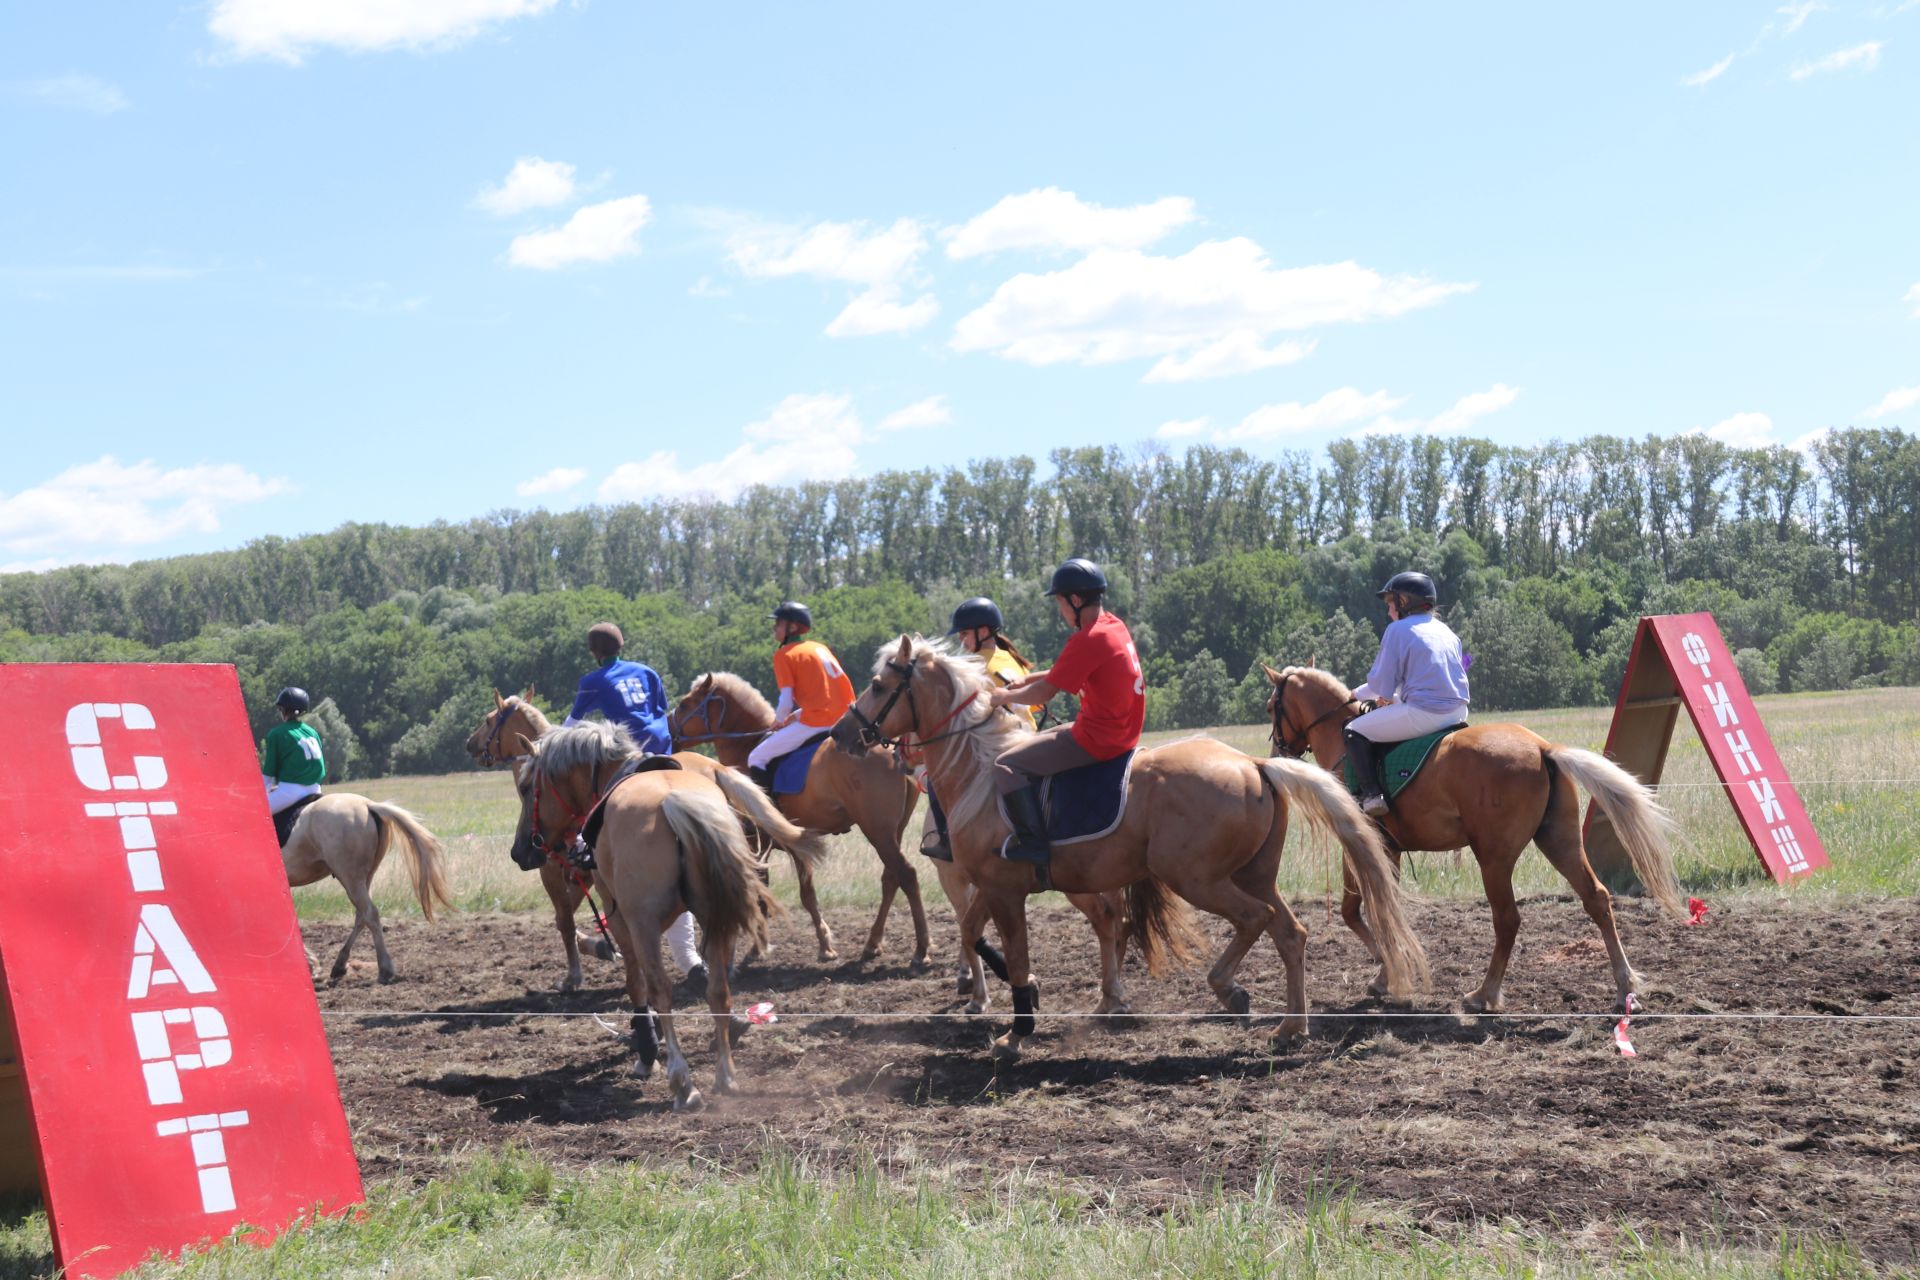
1100	665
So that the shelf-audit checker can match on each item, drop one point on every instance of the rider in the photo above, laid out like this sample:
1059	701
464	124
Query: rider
626	693
1420	665
982	630
631	694
814	690
1098	663
291	764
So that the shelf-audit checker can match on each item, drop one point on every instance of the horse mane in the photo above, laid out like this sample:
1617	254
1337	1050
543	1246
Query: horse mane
583	745
535	716
739	693
966	675
1325	679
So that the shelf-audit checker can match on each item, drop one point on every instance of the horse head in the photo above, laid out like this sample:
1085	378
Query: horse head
887	707
1303	699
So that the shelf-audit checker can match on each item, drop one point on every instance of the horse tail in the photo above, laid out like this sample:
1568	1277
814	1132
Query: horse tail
1161	926
808	849
1640	820
721	874
425	860
1327	807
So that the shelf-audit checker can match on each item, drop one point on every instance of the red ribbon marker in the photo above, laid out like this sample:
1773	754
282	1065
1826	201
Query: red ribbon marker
1696	910
762	1014
1621	1040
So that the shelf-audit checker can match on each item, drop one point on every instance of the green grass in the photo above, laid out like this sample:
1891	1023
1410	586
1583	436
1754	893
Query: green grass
511	1216
1839	747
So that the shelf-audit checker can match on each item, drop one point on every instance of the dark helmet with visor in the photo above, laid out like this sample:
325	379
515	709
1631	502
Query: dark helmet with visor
604	637
1078	577
793	611
976	613
1417	585
293	699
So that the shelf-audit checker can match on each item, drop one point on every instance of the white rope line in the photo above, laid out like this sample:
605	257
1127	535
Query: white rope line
698	1011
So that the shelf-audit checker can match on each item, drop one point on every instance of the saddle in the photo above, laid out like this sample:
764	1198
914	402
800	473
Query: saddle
638	764
1085	803
1401	763
790	770
283	821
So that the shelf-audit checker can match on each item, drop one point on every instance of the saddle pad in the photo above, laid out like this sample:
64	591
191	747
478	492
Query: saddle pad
1085	803
637	764
790	770
1404	760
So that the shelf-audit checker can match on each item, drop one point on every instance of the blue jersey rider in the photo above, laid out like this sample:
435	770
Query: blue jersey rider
1419	680
623	692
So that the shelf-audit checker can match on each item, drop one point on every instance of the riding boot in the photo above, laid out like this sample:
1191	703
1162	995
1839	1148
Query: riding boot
1366	772
762	778
934	841
1029	842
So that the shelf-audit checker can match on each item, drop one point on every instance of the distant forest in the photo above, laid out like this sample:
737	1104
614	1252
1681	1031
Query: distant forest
1220	560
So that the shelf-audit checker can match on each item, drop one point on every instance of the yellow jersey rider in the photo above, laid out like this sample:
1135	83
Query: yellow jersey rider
814	690
982	630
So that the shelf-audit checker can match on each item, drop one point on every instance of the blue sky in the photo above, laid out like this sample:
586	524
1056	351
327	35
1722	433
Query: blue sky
271	265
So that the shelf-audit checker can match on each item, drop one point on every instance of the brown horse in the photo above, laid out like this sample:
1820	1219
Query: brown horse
1493	788
347	836
668	842
843	791
1202	821
499	739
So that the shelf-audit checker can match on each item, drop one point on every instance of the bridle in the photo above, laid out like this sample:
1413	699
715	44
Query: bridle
873	735
712	721
1278	736
576	818
503	714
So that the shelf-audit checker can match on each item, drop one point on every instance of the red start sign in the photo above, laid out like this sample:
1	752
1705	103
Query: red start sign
175	1069
1680	660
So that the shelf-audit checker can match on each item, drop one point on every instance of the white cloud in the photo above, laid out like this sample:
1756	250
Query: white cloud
1239	352
1116	305
532	183
558	480
1182	428
73	93
1742	431
1864	56
1052	219
704	287
931	412
1894	401
806	437
1334	409
843	251
1913	294
1708	76
107	508
597	233
1472	407
1797	14
879	310
288	29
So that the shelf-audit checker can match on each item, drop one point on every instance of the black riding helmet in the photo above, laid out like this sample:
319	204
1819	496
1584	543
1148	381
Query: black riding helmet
1417	585
1078	577
295	700
792	611
973	614
604	638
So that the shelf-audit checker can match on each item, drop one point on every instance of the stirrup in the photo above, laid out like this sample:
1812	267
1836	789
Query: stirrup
936	846
1375	805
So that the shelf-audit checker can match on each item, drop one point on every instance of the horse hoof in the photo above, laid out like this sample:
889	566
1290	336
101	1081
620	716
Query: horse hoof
1480	1004
690	1101
1291	1028
737	1028
566	986
1004	1050
869	955
642	1069
919	964
828	955
963	985
337	974
603	950
1240	1004
387	978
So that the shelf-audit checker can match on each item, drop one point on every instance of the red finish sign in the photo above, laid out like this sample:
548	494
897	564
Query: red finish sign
1681	660
168	1036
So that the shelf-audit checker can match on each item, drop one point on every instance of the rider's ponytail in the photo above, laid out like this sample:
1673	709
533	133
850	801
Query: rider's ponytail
1000	638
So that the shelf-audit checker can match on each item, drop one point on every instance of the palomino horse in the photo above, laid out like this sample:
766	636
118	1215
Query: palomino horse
498	739
1493	787
843	791
346	836
668	842
1203	821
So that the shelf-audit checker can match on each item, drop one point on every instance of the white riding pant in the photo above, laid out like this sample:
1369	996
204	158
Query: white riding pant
780	742
680	943
282	794
1399	721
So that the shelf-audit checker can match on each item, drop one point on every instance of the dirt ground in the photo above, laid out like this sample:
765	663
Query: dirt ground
1743	1129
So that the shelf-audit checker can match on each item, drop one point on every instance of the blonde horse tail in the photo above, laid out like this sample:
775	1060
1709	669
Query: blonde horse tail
1161	926
723	878
807	849
425	861
1640	820
1324	802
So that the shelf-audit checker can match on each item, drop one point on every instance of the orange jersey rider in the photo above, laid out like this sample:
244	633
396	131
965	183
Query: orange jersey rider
814	690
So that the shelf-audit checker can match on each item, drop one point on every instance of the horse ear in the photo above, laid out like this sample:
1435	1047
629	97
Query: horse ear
526	744
706	683
527	696
1273	677
906	649
499	702
1313	660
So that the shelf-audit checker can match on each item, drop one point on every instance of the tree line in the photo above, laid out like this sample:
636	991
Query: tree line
1545	555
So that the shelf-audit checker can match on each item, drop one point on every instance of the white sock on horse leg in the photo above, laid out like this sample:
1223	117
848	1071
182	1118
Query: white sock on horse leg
680	943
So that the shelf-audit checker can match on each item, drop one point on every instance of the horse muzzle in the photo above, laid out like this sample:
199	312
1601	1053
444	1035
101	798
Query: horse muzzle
852	737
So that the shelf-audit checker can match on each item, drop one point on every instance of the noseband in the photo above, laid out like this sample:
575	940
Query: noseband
576	819
706	713
1278	736
489	756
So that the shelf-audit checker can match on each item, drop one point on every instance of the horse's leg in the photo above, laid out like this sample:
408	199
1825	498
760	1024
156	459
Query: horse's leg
1249	916
1009	914
971	975
565	896
1560	841
1259	878
889	885
719	959
811	901
1350	913
353	934
973	925
1108	918
1496	874
899	874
